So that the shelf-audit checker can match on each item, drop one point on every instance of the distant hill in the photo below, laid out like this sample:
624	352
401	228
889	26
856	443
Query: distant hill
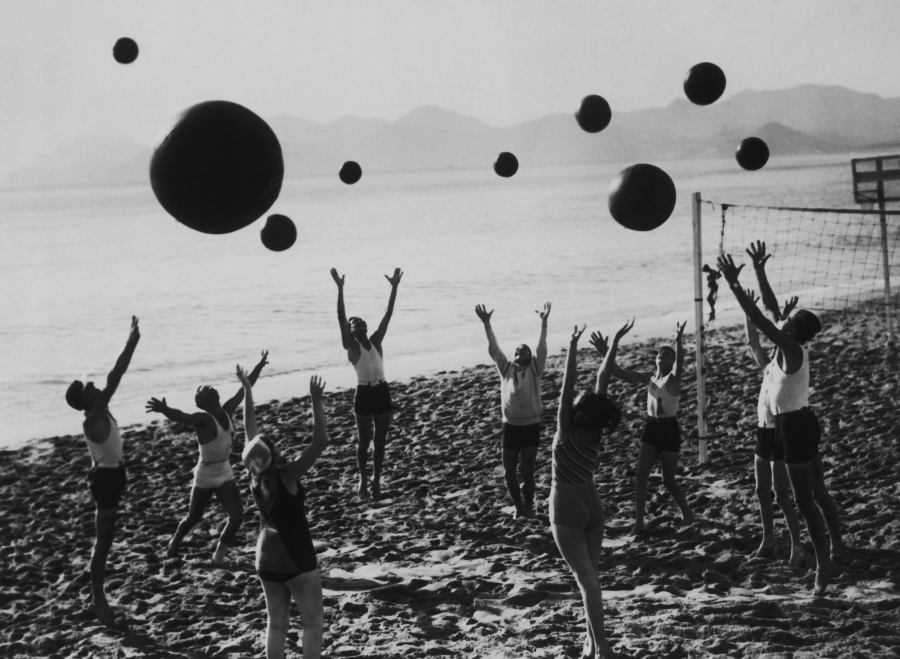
801	120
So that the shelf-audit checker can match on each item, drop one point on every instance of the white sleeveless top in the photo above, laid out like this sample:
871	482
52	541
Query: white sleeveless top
788	393
107	453
661	404
764	416
219	449
370	366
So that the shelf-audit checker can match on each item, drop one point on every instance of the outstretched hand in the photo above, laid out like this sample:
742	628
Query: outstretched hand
599	342
483	314
242	376
338	278
316	388
395	280
622	331
789	306
758	254
754	298
545	313
263	360
679	329
155	405
576	333
728	269
135	330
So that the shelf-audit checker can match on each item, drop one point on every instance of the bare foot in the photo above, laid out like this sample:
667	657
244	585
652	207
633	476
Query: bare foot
766	549
105	615
219	554
376	490
171	549
363	491
823	576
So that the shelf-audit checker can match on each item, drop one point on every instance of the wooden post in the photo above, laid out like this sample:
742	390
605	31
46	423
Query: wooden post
700	347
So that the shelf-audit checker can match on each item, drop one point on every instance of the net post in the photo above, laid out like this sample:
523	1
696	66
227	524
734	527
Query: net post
886	266
700	347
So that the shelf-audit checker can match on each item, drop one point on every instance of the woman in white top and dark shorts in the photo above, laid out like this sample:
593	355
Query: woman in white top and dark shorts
372	402
796	425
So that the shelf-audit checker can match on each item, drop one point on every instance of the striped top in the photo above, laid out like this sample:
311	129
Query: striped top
575	456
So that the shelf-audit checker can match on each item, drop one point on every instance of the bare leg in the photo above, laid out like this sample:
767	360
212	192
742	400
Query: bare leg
763	473
828	507
382	424
801	476
105	526
786	503
230	497
529	458
364	425
646	458
200	497
306	589
278	601
510	464
669	462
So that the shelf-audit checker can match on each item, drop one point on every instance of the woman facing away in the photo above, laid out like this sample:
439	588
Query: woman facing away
576	511
212	474
796	425
285	557
661	438
372	402
107	475
769	467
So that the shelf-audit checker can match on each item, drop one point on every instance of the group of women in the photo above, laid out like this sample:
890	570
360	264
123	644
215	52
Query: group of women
786	451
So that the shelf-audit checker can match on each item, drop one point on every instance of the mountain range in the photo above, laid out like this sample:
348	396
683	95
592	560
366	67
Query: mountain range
806	119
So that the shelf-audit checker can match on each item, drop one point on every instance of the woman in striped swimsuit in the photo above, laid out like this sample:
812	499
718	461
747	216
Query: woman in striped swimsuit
576	512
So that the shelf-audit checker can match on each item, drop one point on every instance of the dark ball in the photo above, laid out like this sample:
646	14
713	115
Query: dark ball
125	50
219	169
641	197
593	114
279	233
704	83
752	153
350	172
506	164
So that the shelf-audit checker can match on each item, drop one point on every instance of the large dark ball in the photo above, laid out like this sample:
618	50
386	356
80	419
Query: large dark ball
350	172
506	164
752	153
279	233
219	169
593	114
641	197
125	50
704	83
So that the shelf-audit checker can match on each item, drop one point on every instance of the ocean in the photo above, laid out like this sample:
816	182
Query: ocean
78	262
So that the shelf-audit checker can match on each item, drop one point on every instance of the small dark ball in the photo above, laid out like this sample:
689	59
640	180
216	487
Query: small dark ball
641	197
593	114
704	83
279	233
350	172
506	164
125	50
752	153
219	169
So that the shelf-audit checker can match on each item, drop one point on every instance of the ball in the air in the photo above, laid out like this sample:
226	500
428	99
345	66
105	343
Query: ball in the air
752	153
279	233
593	114
125	50
506	164
350	172
641	197
219	169
704	83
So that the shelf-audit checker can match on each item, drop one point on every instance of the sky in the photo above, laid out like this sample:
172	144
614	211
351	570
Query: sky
503	62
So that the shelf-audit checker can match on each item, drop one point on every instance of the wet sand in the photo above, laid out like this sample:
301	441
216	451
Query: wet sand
440	568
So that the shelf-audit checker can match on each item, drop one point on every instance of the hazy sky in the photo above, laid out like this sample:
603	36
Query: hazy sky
500	61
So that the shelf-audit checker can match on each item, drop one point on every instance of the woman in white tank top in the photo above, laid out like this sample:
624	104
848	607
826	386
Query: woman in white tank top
372	402
796	425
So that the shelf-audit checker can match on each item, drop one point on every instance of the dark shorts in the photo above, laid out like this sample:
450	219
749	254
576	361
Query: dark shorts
663	434
280	577
107	485
799	433
372	399
518	437
767	445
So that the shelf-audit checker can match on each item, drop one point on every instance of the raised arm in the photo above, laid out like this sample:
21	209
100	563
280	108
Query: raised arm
394	281
250	429
793	353
493	348
752	334
159	405
232	403
567	394
346	341
295	469
608	366
759	257
679	350
635	377
541	354
118	370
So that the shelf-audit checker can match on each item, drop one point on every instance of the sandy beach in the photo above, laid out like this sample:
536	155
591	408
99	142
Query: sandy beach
440	568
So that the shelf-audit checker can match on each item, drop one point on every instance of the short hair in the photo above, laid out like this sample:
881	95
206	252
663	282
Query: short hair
258	444
593	411
75	395
669	349
807	324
